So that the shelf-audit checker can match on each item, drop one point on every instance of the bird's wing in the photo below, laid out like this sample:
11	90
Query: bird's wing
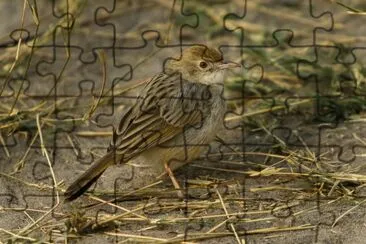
166	105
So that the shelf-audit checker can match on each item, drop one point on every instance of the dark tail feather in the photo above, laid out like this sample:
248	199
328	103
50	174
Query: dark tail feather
89	177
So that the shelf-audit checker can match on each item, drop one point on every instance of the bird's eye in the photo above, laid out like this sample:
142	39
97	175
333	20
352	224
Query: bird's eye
203	65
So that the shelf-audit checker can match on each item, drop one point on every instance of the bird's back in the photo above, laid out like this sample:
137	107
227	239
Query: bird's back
166	107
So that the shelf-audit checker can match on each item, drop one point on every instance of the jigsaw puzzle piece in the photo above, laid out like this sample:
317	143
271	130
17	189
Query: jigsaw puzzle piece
282	203
269	93
344	143
344	15
215	19
337	83
356	75
322	73
261	20
128	81
27	191
169	19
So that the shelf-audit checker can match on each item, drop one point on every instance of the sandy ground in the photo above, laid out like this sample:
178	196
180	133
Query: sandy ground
283	189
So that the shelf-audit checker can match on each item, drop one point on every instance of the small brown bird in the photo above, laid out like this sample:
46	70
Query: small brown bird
176	115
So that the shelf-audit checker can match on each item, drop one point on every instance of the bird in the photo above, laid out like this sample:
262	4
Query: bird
177	113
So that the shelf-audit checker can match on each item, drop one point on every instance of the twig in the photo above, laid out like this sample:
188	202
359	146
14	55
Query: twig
262	111
228	217
137	237
347	212
45	153
18	236
101	57
4	146
26	229
15	60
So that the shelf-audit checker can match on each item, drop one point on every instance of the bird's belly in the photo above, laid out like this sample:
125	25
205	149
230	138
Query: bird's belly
178	151
186	146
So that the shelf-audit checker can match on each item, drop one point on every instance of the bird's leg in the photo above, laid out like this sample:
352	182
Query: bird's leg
174	180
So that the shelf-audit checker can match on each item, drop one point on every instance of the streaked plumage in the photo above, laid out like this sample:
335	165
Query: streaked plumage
173	118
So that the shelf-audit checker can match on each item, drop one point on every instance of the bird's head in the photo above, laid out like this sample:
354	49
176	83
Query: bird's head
201	64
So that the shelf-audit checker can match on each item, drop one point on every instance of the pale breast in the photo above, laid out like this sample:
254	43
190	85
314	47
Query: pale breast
189	145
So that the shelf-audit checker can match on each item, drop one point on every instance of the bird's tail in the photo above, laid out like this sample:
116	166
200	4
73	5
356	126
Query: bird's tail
81	184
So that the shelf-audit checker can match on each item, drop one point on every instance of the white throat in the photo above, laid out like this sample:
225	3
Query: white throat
216	77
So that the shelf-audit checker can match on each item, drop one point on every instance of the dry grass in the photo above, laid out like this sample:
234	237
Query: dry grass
213	207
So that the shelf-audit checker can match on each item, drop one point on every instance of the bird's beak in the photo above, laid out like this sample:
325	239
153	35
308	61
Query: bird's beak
229	65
